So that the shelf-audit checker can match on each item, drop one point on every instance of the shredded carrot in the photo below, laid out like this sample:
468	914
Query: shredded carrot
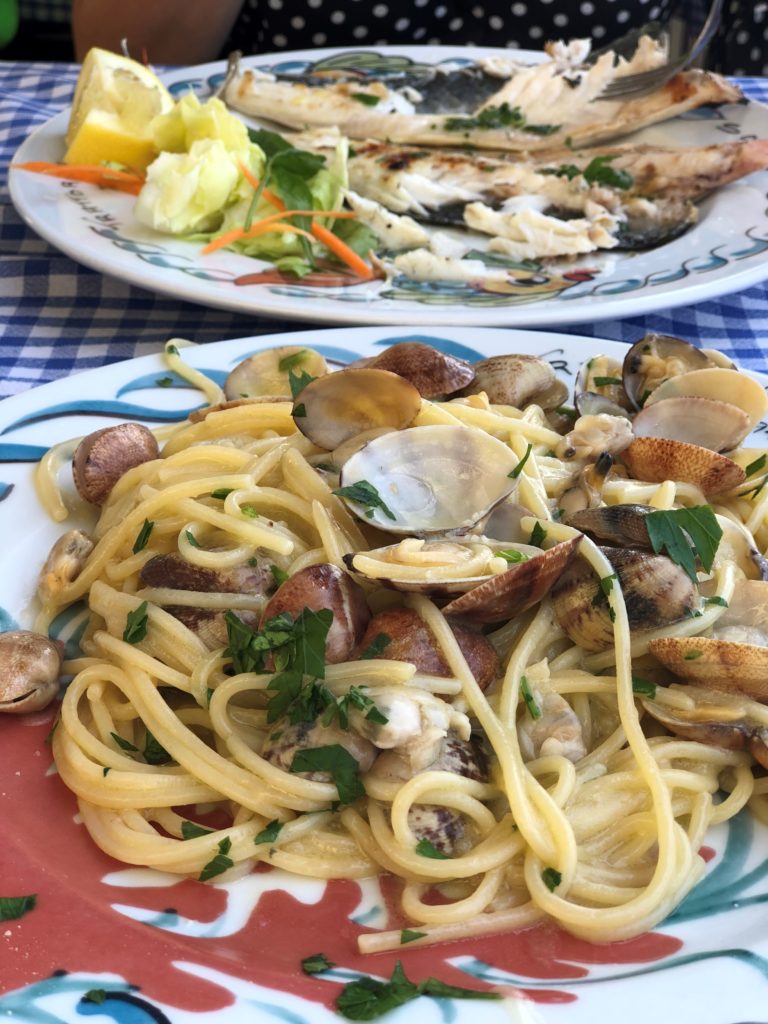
94	174
241	235
342	250
253	180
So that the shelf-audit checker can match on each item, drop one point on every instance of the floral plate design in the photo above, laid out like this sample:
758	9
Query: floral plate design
136	946
724	252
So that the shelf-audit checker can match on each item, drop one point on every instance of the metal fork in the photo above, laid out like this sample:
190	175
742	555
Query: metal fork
630	86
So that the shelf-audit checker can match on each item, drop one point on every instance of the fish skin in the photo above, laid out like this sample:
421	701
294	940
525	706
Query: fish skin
394	175
393	118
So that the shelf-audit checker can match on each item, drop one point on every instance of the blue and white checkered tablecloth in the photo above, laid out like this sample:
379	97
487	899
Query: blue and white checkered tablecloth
57	316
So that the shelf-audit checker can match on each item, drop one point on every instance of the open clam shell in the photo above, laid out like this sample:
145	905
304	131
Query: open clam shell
621	526
717	384
518	380
266	373
655	358
520	587
599	388
332	409
431	479
656	459
719	426
716	718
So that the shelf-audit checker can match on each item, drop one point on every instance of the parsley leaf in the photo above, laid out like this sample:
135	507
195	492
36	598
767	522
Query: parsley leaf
515	473
604	382
221	493
643	687
316	964
164	382
298	381
136	624
278	575
124	744
269	833
502	116
338	762
756	466
683	532
525	689
289	362
366	98
143	536
190	830
95	995
425	848
716	600
367	998
14	907
376	646
551	878
512	556
247	647
220	863
365	494
154	752
538	535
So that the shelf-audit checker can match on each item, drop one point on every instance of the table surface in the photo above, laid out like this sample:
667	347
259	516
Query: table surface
58	317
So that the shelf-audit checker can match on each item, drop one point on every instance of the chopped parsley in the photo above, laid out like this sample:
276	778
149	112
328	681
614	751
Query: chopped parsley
136	624
525	689
551	878
365	494
716	600
220	863
606	586
14	907
143	536
605	382
682	533
538	535
338	762
692	655
171	349
190	830
221	493
298	381
357	699
519	467
95	995
502	116
379	643
278	575
316	964
408	935
512	556
124	744
425	848
298	645
164	382
756	466
192	539
643	687
367	998
366	98
597	172
154	752
289	362
269	833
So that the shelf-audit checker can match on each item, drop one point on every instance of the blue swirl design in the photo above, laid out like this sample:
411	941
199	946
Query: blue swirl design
69	626
93	407
5	490
21	453
150	381
123	1007
7	621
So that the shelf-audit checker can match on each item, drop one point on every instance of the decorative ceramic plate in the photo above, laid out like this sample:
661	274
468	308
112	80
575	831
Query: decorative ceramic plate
724	252
158	949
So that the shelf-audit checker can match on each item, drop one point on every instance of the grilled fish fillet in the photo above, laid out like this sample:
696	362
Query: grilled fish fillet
436	184
533	108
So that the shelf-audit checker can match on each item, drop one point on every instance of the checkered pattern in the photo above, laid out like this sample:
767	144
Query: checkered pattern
57	316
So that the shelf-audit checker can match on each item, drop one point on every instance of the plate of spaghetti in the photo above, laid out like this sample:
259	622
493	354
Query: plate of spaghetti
377	674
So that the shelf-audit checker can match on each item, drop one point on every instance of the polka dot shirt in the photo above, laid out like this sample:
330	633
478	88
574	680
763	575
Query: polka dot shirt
266	26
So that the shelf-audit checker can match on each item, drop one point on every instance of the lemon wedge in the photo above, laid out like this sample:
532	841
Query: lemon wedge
115	101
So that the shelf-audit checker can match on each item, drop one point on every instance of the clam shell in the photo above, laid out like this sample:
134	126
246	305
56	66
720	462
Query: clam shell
432	479
657	459
720	385
653	359
520	587
261	375
711	424
620	525
656	592
430	371
516	380
332	409
717	664
718	719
